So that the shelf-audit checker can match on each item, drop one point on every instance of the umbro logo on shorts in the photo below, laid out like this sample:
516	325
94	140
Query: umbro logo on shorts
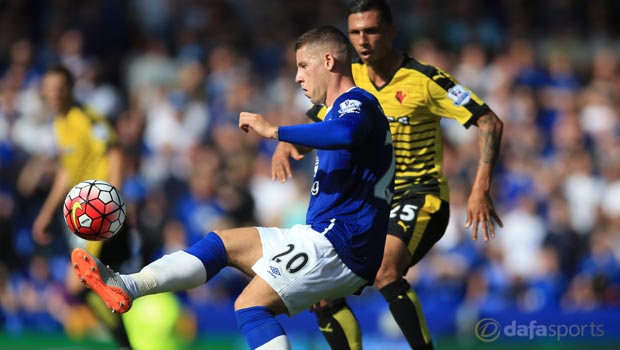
274	271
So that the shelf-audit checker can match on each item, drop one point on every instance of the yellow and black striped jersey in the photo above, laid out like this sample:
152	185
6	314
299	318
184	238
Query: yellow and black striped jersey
414	100
83	139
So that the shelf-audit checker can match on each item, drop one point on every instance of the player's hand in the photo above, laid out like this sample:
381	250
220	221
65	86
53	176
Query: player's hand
39	230
280	163
257	123
480	211
314	307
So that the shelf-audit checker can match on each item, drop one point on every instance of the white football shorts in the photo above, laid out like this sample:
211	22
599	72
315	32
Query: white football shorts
302	266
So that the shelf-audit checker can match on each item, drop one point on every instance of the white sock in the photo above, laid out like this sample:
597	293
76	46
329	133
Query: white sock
280	342
177	271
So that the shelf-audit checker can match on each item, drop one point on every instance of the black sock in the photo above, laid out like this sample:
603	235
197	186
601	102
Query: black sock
339	326
407	312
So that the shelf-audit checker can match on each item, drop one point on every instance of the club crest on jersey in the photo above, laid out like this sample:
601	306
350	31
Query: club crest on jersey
401	96
459	95
349	106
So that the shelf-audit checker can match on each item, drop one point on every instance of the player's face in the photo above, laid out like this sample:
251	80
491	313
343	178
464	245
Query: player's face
311	74
371	38
56	92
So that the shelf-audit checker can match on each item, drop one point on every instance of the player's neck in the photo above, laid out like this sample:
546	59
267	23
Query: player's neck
64	110
381	72
337	88
67	106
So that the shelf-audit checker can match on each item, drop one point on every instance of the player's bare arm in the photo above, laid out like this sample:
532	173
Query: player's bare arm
257	123
115	156
480	209
280	160
491	128
59	188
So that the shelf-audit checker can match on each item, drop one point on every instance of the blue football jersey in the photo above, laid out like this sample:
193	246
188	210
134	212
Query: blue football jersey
353	178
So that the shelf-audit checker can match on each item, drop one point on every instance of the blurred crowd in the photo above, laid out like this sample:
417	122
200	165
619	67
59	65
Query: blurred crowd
172	76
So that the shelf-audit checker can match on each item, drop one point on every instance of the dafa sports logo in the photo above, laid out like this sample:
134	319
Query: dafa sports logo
489	330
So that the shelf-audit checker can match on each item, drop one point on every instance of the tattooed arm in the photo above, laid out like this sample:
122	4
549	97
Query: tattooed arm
480	208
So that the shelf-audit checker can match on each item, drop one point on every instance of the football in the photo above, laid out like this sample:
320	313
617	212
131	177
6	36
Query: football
94	210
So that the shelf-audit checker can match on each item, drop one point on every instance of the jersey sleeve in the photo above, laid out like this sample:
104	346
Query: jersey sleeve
449	99
347	130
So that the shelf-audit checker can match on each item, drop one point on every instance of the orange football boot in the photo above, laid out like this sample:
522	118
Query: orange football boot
101	280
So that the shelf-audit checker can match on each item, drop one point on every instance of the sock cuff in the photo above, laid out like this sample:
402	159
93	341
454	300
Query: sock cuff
211	251
258	324
394	289
251	317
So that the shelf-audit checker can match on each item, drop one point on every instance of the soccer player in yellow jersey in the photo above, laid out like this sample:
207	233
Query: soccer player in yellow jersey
415	96
85	146
86	150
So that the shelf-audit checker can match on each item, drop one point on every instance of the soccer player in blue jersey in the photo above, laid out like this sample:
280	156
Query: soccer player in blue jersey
416	97
339	249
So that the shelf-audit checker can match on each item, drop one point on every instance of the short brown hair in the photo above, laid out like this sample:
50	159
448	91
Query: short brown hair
326	34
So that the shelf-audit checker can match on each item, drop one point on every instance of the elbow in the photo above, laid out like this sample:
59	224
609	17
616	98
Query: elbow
490	122
350	138
499	126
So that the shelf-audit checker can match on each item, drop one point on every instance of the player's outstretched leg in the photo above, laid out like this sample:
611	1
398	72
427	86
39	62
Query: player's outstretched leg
103	281
180	270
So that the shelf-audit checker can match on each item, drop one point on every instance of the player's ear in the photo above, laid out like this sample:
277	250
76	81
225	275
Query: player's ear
329	61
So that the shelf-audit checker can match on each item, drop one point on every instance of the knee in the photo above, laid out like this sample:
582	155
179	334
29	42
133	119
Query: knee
396	262
387	275
243	302
247	298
